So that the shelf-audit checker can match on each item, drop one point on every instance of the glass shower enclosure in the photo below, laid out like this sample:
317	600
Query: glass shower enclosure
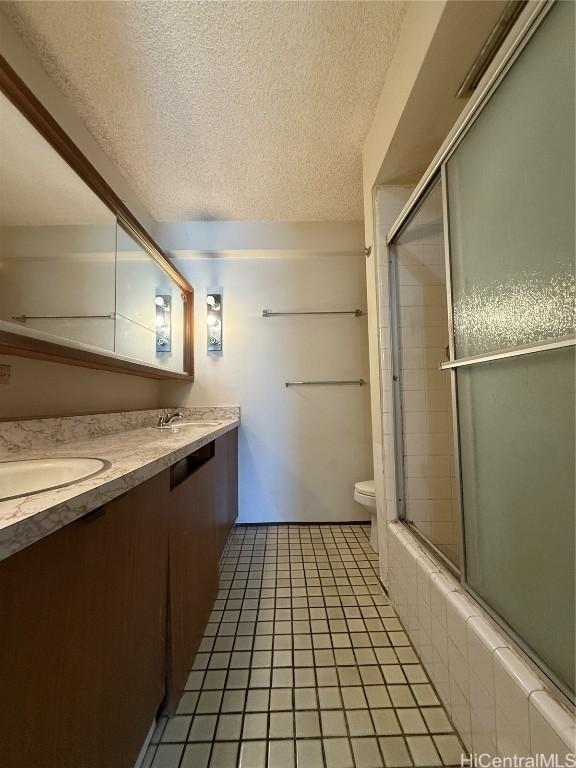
501	198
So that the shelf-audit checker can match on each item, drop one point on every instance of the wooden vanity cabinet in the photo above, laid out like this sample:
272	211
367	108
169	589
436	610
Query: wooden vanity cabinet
82	638
100	621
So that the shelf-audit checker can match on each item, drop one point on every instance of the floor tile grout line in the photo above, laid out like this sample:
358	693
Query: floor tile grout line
339	686
217	722
403	733
268	710
420	707
297	553
243	713
294	753
226	676
346	724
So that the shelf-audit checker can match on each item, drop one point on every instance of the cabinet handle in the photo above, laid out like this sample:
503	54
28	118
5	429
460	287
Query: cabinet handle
186	467
94	515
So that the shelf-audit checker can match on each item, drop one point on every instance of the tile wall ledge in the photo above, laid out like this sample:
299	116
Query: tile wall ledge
507	704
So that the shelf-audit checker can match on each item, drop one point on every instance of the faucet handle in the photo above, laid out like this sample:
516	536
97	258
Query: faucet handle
172	417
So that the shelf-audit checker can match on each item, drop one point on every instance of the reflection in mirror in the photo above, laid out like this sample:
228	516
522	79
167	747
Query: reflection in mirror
57	242
150	309
69	273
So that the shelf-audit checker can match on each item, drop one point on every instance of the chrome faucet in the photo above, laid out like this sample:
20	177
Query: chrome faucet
167	418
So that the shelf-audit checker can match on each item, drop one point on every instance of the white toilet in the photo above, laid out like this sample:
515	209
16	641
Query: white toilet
365	494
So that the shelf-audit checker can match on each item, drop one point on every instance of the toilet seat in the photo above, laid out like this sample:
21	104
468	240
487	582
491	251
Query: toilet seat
365	493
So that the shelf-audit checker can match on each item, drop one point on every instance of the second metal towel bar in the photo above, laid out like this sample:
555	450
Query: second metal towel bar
356	382
355	312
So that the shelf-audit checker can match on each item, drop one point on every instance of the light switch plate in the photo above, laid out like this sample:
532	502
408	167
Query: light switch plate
5	373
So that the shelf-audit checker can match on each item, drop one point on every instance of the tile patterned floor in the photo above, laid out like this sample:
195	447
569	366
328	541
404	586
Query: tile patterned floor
304	665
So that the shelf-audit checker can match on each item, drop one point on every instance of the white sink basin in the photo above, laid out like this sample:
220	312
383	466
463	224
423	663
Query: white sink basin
26	476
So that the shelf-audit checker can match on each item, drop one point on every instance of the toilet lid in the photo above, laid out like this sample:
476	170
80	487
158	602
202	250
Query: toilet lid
366	487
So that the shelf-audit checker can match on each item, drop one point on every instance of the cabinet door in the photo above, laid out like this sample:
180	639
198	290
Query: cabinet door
83	635
193	569
137	560
203	507
232	477
226	459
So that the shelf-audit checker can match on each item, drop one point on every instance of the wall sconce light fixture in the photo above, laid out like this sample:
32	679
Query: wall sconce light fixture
214	322
163	322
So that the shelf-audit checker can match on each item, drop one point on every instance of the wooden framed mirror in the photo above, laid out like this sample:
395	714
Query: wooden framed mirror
81	280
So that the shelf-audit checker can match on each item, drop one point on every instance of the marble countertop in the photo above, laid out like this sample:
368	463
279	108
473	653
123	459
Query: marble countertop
134	456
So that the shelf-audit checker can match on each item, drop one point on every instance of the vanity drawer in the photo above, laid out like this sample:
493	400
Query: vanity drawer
190	464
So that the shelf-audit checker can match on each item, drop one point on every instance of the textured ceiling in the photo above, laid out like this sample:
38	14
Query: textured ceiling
224	110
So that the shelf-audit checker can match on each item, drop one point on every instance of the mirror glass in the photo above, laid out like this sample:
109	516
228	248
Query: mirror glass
149	308
57	242
69	273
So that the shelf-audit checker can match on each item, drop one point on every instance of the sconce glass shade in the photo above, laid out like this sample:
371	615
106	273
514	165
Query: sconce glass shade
163	323
214	322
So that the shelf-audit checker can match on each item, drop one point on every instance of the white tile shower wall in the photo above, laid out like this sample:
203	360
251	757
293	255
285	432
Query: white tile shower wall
388	203
426	405
429	465
499	705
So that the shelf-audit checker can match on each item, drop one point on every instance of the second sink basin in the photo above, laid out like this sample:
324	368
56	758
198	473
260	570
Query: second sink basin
26	476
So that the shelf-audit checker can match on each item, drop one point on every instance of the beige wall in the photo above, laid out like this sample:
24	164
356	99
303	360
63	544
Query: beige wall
301	449
39	388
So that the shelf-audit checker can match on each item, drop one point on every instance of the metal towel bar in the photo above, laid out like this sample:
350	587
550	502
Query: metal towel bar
111	316
356	382
355	312
23	318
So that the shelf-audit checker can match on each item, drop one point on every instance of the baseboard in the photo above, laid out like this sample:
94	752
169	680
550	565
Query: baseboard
147	740
304	523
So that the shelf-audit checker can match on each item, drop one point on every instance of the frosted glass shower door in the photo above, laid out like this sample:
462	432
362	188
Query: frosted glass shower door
511	199
510	193
516	421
